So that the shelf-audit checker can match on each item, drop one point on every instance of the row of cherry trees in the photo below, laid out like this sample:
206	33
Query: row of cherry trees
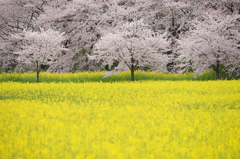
160	35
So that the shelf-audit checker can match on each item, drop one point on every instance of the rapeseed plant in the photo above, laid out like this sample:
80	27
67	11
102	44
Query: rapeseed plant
145	119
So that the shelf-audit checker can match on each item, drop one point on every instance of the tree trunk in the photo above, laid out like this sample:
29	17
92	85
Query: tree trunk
217	71
37	73
132	73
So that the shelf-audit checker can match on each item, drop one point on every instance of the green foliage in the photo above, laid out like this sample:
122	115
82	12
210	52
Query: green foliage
2	69
12	68
224	75
75	66
45	67
82	77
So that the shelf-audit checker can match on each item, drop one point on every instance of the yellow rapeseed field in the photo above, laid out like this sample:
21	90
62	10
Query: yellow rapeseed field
125	120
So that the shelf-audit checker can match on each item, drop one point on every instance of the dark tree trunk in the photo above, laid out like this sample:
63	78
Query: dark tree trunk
38	72
217	71
132	73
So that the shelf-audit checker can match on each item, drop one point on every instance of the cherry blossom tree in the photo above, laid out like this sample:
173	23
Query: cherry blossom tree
181	13
213	42
134	46
221	6
43	47
15	16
